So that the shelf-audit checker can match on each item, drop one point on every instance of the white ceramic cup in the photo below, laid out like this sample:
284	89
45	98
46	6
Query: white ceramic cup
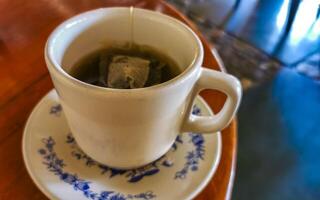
126	128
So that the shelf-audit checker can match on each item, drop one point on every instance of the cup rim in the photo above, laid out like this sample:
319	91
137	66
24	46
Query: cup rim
73	21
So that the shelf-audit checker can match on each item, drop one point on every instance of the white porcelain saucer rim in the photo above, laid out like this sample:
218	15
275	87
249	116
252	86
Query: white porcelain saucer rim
215	164
38	183
47	193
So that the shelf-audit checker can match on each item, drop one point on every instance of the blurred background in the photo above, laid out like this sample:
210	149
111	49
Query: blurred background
274	48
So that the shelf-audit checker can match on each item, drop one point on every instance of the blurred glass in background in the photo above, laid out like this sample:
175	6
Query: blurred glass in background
274	48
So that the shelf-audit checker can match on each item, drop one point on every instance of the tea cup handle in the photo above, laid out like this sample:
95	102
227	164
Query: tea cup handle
211	79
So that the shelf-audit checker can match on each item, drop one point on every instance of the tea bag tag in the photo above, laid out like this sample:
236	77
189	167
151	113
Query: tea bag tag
127	72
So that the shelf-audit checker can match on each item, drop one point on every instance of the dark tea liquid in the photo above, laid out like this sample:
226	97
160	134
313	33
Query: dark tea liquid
93	68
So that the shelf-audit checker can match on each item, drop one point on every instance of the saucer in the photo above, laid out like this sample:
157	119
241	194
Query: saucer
62	171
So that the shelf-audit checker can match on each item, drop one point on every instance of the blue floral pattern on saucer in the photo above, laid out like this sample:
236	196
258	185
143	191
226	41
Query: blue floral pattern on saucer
56	165
193	157
56	110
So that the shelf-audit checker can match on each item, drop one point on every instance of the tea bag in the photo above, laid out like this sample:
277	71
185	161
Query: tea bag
127	72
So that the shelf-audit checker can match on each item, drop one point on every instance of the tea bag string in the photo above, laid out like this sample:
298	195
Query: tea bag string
131	26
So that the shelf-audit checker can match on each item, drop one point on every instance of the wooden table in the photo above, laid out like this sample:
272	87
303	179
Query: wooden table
24	79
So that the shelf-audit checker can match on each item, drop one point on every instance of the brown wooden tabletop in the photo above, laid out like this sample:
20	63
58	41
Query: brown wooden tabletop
24	79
